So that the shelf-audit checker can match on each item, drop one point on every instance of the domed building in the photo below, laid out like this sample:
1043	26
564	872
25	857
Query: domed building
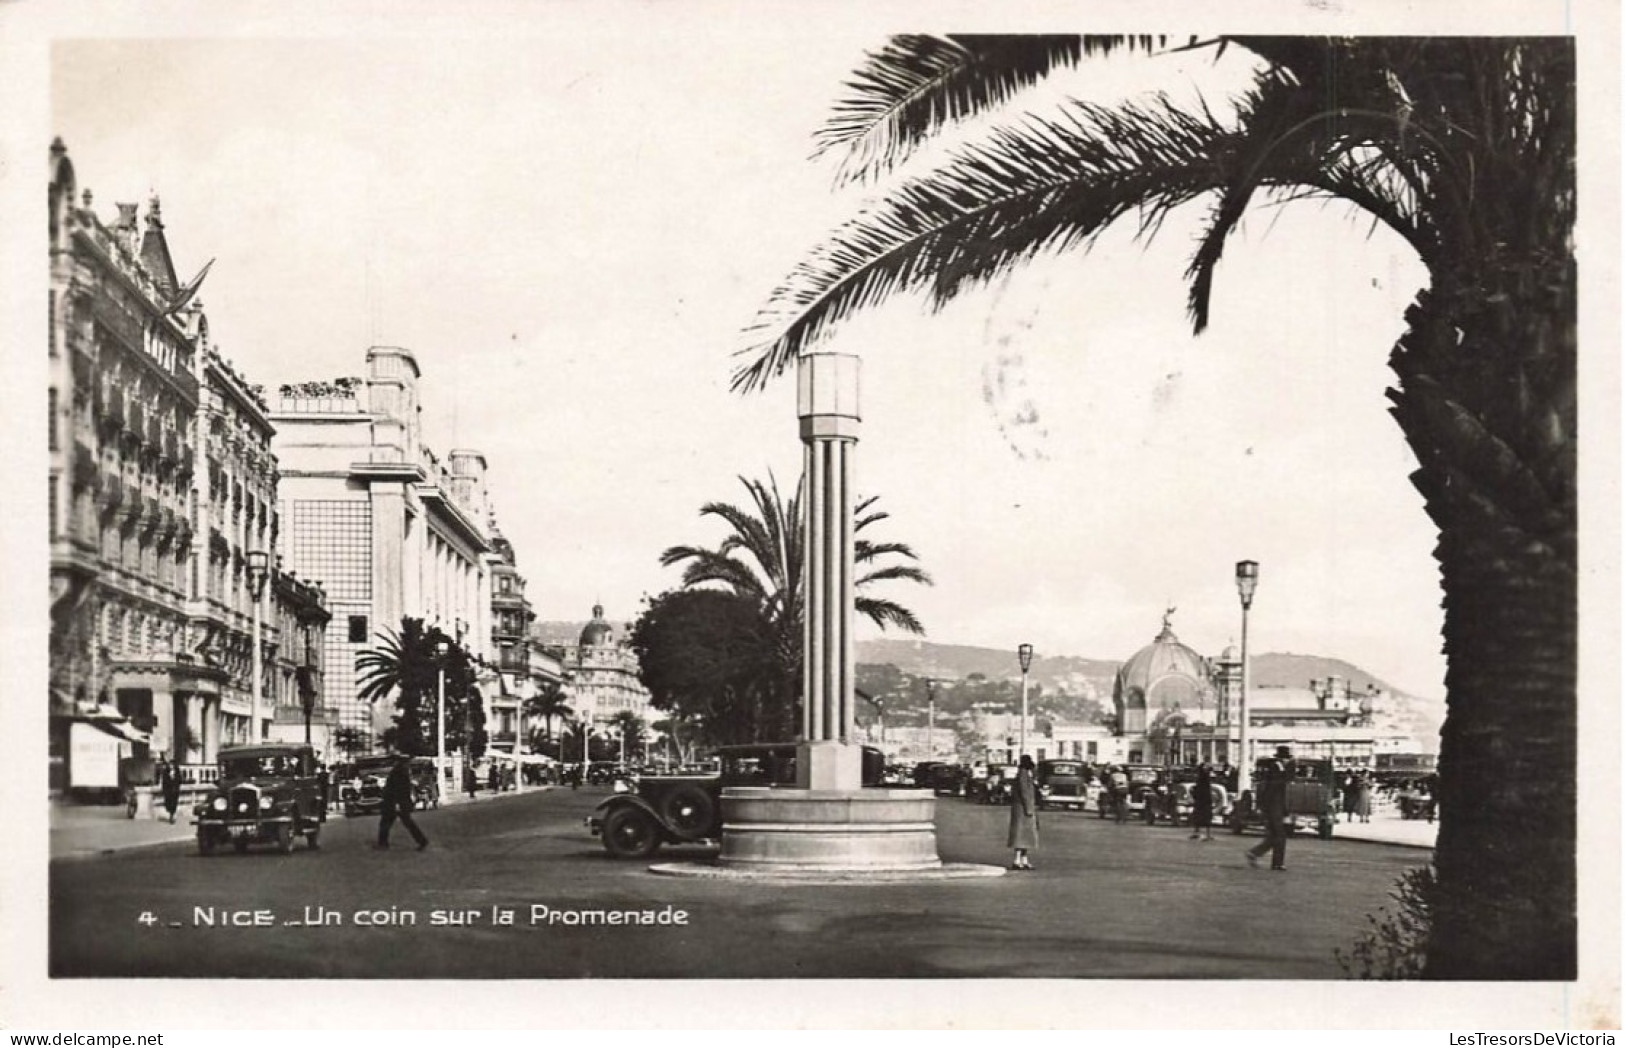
605	672
1163	677
1174	706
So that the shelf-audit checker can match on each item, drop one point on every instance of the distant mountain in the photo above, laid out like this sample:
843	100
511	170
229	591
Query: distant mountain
1091	679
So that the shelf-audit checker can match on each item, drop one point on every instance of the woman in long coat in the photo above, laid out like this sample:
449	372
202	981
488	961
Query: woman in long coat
1023	815
1202	802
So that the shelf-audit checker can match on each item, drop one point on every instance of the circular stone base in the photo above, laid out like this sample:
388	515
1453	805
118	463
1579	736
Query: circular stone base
948	871
873	830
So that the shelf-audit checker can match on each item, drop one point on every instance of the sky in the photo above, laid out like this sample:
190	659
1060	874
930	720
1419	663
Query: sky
571	227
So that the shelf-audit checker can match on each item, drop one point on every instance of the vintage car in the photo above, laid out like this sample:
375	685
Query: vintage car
1311	797
269	793
993	786
687	809
361	792
1062	784
948	780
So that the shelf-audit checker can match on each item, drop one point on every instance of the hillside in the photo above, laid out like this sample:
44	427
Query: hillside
1076	683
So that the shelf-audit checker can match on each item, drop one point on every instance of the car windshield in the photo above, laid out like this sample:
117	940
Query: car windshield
272	765
1064	769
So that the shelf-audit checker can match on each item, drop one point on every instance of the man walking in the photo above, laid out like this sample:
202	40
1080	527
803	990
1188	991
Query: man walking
1275	774
397	804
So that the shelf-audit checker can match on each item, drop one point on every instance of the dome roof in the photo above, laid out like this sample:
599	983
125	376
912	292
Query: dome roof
598	632
1164	674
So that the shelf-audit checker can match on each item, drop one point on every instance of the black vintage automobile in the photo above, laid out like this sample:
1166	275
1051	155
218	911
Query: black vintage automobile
266	794
1063	784
1311	797
948	780
994	786
687	809
361	791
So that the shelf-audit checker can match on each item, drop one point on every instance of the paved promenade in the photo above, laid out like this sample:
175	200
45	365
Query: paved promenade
79	830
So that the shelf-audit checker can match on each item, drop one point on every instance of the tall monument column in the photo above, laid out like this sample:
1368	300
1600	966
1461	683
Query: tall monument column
828	757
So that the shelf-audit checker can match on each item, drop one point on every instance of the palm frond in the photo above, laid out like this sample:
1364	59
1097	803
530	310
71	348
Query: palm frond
884	613
1040	185
915	85
892	572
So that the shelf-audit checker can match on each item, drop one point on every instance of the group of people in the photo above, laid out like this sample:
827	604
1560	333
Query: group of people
1271	792
499	777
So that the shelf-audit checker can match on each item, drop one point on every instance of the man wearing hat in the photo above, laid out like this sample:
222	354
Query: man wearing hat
398	801
1275	773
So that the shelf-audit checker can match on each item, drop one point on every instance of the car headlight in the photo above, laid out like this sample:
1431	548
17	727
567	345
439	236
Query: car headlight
265	803
219	804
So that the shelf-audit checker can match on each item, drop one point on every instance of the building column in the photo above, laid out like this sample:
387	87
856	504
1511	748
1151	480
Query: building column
827	403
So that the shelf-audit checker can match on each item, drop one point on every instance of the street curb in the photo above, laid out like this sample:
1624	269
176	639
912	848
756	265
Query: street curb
948	871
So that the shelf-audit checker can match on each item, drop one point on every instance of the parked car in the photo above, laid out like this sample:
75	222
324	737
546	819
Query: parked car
269	793
949	780
1062	784
994	786
1311	797
361	792
687	809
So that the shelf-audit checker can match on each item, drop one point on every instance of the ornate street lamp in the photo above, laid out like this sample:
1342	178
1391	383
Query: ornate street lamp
259	571
1246	584
1025	654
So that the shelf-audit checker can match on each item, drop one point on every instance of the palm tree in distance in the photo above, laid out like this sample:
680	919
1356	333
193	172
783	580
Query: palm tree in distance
1464	148
760	560
408	664
548	704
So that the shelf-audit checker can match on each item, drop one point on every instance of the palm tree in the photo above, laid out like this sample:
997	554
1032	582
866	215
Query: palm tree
761	561
1465	148
408	664
550	703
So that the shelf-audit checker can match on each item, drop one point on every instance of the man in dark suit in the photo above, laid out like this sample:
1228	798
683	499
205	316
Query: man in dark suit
1275	774
398	801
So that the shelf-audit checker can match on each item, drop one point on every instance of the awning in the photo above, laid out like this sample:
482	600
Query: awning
118	729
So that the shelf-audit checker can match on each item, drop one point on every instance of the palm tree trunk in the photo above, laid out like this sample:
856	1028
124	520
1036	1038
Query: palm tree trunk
1487	401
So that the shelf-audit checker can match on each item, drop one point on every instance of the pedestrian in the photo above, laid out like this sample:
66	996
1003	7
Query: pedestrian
471	781
1117	785
397	804
494	777
1362	797
169	785
1202	803
1023	835
1277	772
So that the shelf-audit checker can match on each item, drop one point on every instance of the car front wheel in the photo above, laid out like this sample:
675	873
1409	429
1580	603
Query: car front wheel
284	838
631	834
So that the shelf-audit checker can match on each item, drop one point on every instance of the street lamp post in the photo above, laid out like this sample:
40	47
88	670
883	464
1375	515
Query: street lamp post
441	650
1246	584
931	718
258	570
1025	654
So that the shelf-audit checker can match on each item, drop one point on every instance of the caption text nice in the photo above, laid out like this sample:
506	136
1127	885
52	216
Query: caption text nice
395	917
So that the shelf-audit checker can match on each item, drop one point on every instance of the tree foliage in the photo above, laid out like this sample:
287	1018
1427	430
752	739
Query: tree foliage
760	562
408	665
711	660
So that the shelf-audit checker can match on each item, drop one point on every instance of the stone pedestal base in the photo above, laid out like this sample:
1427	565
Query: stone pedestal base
829	765
813	830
